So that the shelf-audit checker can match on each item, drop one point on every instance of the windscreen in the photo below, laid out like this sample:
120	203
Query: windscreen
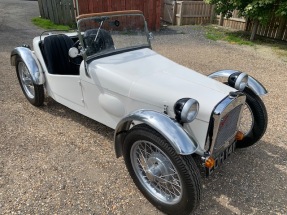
108	34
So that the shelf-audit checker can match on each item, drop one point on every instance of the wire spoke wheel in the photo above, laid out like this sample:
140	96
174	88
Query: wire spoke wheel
26	80
247	120
254	119
156	172
168	180
33	92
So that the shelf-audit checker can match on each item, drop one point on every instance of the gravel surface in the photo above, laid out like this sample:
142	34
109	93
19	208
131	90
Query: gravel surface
55	161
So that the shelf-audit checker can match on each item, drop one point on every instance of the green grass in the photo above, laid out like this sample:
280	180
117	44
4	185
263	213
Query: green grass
236	37
48	24
214	32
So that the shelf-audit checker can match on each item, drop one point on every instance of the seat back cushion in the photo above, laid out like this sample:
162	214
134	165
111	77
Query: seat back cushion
56	50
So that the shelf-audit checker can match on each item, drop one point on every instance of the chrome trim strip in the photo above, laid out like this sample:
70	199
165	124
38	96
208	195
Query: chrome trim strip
171	130
28	57
223	108
253	84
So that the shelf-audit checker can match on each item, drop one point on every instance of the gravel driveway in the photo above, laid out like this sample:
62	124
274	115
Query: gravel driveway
55	161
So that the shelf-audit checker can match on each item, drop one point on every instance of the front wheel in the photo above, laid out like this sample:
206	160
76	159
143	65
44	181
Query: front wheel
171	182
254	119
33	92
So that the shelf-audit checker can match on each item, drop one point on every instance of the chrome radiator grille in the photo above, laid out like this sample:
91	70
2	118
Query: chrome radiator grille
227	127
224	122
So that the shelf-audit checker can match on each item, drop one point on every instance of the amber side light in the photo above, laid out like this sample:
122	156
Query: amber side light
209	163
239	135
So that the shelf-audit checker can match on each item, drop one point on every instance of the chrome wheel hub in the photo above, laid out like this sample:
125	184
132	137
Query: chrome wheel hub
26	80
157	167
156	172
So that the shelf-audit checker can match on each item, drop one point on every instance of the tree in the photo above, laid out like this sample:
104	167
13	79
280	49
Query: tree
258	11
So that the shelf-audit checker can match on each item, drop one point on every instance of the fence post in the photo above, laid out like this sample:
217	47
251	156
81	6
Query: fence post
76	3
180	13
281	28
221	19
45	9
212	14
158	14
40	3
174	11
55	12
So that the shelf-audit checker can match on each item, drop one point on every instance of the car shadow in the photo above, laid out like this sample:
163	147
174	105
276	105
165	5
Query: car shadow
250	182
58	110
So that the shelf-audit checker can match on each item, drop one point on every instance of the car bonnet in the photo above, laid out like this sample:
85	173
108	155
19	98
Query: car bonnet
147	77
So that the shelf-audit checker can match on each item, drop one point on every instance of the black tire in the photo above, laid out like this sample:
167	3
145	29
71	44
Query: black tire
36	98
188	186
260	119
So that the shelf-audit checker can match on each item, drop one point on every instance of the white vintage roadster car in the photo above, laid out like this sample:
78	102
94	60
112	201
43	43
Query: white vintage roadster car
165	115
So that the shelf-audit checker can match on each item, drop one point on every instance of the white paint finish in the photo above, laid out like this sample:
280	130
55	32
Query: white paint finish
140	79
94	110
118	72
146	76
166	90
198	129
157	82
67	87
112	105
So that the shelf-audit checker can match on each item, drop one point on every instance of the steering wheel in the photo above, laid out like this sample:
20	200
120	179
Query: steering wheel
76	44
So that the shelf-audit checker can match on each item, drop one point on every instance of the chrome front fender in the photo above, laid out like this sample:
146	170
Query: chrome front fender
171	130
31	62
253	84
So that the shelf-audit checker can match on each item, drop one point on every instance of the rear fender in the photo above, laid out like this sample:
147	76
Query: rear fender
31	62
171	130
253	84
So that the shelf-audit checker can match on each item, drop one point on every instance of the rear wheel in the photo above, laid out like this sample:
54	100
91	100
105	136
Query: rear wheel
33	92
169	181
254	119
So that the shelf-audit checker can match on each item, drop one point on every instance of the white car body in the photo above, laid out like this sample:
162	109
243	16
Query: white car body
109	88
164	114
119	85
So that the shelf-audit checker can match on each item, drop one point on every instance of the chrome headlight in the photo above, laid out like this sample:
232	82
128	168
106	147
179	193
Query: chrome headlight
186	110
238	80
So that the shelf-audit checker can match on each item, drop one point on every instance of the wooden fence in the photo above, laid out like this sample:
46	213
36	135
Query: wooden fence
235	22
169	12
275	28
58	11
64	11
187	12
150	8
175	12
198	12
193	12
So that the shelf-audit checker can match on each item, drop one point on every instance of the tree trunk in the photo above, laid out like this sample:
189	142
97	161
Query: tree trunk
281	28
247	23
221	19
254	29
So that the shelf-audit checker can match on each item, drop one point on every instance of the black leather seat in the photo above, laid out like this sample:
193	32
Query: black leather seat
104	41
56	49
